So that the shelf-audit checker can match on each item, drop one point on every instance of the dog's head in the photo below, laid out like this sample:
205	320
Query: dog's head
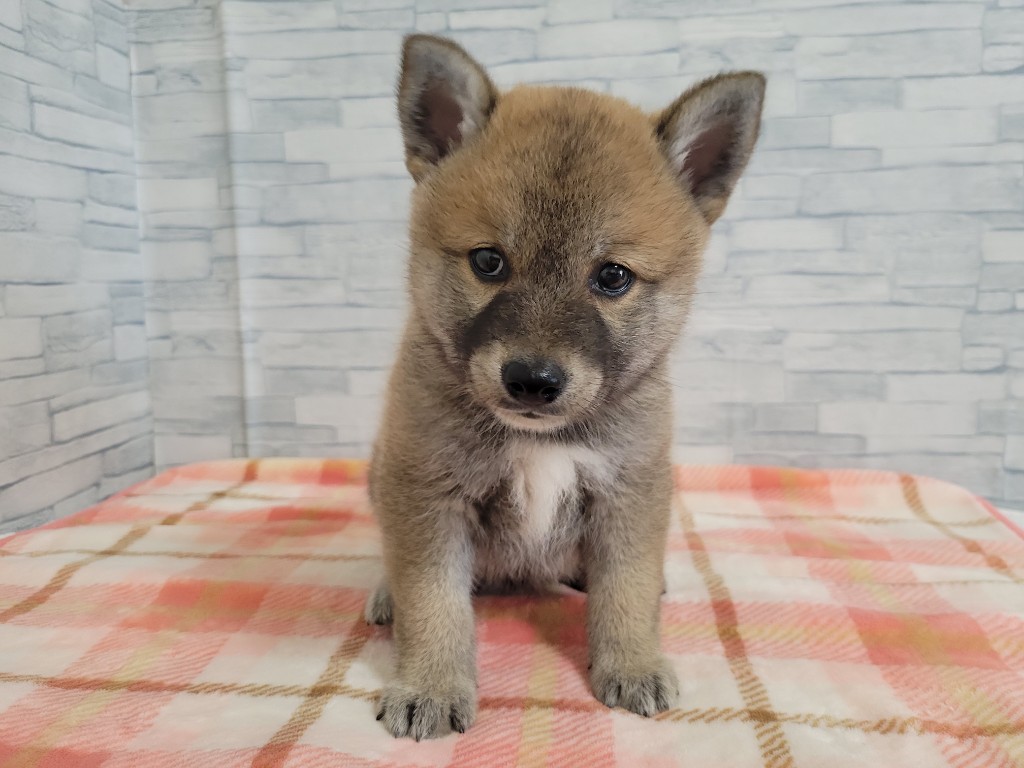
557	233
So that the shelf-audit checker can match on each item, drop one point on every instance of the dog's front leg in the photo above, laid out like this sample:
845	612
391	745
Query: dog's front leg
625	550
429	561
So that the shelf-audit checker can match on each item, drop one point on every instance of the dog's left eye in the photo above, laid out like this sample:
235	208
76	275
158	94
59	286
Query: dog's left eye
488	263
612	279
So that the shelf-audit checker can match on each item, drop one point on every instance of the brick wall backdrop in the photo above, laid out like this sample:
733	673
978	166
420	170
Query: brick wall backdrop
74	403
863	298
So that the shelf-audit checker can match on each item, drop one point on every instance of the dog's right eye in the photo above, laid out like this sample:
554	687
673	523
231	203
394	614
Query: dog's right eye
489	264
612	279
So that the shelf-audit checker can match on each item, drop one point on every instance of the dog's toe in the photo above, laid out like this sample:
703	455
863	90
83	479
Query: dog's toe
404	712
379	607
645	692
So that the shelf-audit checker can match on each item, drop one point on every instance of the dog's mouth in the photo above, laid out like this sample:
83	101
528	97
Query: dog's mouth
527	411
529	420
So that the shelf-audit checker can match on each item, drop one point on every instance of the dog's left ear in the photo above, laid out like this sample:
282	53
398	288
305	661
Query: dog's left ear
708	134
444	99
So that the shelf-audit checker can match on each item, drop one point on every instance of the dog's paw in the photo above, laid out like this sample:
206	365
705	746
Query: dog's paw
646	692
379	607
405	712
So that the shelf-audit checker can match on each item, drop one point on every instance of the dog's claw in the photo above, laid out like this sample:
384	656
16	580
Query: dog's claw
455	721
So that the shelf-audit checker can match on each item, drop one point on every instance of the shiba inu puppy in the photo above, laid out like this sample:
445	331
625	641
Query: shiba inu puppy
555	240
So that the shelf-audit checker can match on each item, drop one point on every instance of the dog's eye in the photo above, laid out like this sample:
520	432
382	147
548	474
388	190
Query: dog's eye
488	264
612	280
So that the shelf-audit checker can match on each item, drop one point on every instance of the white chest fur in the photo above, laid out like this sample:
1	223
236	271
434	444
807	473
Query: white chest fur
544	477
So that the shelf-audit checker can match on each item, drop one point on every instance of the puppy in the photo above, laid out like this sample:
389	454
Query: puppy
555	240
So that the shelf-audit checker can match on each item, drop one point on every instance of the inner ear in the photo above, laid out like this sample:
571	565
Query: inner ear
708	156
440	118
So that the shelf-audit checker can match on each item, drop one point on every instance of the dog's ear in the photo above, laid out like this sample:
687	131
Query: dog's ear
444	99
708	134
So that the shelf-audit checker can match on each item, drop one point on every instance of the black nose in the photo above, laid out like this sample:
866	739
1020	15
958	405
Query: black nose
533	384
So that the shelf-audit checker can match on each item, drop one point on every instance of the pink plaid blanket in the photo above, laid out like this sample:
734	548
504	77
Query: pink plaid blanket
212	616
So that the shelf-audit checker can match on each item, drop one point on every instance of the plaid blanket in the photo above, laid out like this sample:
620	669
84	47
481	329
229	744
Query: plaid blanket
212	616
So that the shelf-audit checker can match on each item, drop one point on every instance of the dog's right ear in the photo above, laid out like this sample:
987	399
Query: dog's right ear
444	99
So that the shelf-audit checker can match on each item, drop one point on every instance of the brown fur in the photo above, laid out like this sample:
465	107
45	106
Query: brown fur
561	181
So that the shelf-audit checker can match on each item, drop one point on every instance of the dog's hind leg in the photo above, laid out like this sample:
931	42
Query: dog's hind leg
379	606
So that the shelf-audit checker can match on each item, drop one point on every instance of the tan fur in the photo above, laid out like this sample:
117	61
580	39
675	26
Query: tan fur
471	495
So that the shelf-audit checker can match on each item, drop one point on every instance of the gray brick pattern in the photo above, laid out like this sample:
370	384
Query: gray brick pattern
75	420
191	202
862	301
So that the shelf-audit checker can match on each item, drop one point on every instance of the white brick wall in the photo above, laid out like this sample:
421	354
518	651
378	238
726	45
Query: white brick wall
75	421
861	305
